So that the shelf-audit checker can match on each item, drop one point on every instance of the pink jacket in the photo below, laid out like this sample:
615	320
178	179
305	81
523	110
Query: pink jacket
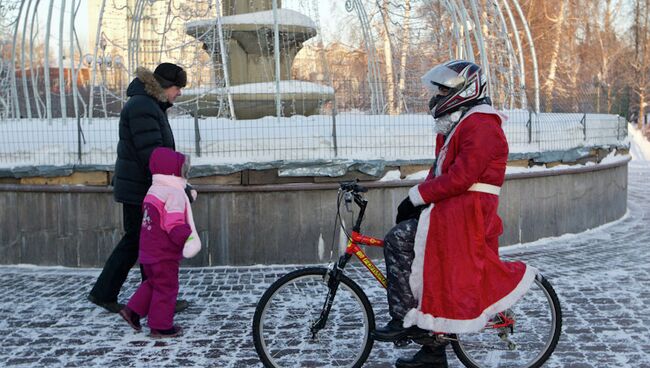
168	230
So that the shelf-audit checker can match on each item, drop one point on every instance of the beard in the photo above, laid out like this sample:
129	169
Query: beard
446	123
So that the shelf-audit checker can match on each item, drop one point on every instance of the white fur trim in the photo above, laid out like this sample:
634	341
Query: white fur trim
417	267
431	323
485	109
415	196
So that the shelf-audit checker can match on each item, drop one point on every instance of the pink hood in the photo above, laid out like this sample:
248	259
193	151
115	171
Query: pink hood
166	161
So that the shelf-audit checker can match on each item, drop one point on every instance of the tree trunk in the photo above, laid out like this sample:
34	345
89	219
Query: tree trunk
63	105
406	41
388	58
641	116
642	58
549	85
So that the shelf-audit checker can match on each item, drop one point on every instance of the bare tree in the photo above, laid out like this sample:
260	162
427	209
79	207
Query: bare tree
640	82
8	20
388	55
549	85
406	42
610	53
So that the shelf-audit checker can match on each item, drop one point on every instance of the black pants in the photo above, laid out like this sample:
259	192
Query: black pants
123	257
399	254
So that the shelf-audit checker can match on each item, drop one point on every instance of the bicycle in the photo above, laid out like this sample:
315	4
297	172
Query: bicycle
295	326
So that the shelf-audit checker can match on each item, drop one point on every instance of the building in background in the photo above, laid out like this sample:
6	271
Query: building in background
145	33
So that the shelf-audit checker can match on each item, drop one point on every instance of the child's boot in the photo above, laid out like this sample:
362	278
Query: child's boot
171	332
132	318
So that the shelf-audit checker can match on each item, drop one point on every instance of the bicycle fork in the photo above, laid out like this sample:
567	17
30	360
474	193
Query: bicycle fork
333	280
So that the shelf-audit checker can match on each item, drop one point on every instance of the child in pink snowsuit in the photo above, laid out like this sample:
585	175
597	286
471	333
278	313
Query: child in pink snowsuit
167	234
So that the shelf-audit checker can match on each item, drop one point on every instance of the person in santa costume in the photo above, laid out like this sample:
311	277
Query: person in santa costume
442	256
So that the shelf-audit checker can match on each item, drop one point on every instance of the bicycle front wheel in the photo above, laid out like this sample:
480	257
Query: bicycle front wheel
287	311
528	344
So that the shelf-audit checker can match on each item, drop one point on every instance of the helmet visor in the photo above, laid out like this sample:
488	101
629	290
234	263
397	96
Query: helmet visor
441	76
433	102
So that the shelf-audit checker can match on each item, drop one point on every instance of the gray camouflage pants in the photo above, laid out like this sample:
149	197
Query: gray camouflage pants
399	254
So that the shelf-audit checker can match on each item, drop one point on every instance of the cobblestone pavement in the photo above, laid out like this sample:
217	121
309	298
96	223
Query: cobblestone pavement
602	278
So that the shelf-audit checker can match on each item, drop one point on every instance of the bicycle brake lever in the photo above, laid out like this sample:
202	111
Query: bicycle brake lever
347	199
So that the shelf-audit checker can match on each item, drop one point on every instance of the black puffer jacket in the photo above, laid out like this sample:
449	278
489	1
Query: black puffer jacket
143	127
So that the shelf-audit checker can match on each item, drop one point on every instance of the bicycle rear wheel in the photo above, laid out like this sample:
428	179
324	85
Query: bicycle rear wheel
287	311
536	331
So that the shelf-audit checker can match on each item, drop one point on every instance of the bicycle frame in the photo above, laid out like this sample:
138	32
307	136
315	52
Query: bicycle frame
357	238
354	249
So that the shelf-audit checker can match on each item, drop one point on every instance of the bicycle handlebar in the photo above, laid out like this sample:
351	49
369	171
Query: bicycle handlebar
352	190
352	186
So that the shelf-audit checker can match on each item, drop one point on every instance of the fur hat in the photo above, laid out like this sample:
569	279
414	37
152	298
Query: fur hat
168	74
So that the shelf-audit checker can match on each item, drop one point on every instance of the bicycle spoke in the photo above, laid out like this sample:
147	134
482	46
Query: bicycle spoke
289	313
328	352
536	320
289	343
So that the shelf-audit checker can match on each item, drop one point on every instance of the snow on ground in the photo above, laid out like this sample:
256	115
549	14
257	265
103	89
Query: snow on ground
611	158
602	278
640	150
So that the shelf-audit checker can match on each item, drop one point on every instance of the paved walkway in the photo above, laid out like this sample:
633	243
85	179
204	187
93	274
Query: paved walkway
602	278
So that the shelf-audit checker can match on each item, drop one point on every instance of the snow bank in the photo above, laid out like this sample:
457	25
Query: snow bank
348	136
286	86
641	147
286	17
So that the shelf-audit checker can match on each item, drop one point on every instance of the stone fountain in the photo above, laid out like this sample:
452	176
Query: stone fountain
248	36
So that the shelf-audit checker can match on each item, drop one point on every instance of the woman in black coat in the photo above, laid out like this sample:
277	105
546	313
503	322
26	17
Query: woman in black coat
143	127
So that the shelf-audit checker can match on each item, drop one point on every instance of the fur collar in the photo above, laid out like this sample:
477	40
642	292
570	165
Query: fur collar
151	85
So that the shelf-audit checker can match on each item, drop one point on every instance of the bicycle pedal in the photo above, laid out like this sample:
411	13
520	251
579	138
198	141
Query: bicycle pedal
402	343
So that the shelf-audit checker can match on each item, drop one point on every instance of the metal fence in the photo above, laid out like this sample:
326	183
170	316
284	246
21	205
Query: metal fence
60	101
351	134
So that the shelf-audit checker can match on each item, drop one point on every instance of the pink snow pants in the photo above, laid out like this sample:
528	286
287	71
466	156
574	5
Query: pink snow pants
156	296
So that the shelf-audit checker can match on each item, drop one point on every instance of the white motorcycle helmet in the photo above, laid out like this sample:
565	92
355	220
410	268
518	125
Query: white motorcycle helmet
454	85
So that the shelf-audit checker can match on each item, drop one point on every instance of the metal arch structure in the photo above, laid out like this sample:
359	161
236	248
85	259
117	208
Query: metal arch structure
42	87
374	72
469	43
30	78
467	33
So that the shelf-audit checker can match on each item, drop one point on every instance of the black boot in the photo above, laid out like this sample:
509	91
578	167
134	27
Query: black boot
427	357
394	331
181	305
113	307
175	331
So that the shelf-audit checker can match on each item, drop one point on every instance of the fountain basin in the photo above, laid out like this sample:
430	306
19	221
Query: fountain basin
246	58
254	32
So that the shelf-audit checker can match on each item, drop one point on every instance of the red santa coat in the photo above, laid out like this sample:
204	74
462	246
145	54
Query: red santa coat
457	275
